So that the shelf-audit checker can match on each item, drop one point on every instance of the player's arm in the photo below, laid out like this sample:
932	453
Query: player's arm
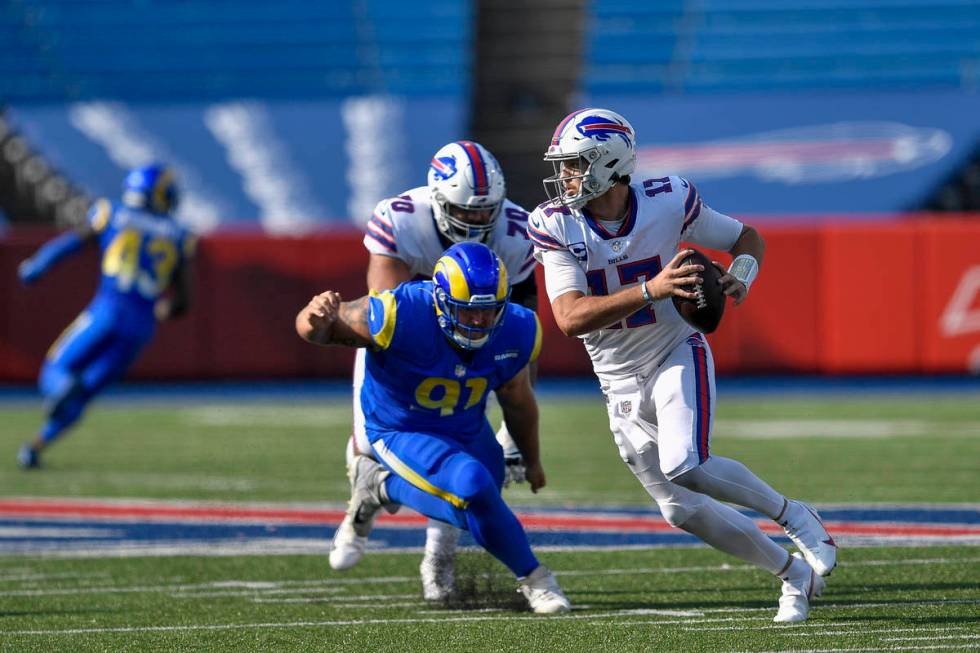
327	320
386	272
520	410
577	313
53	251
525	293
182	294
747	253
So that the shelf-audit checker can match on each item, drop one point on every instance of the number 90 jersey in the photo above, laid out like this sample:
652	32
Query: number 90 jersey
403	227
580	253
140	252
416	381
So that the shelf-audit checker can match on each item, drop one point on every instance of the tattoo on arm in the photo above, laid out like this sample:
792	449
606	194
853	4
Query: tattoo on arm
353	323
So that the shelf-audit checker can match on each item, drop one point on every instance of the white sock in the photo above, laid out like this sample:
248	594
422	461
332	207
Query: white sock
730	481
441	539
730	531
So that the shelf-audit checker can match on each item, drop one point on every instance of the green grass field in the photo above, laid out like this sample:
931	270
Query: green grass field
830	451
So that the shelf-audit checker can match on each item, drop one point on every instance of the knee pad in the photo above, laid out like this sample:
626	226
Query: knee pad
680	505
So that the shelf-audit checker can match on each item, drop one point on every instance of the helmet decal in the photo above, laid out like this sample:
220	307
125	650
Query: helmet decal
443	167
602	129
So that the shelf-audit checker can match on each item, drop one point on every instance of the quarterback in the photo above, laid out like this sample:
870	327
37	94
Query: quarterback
464	200
435	349
609	246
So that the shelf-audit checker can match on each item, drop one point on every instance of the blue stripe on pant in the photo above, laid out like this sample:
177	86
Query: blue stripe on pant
459	484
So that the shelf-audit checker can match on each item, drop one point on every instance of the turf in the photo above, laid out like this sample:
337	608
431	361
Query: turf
828	450
665	600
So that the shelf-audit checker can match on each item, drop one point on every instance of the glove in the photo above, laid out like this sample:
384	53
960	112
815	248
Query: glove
514	471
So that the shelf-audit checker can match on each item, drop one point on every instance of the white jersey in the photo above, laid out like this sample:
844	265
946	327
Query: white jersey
579	253
404	227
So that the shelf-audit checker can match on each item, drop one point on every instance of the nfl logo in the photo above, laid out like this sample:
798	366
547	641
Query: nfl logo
626	406
460	371
616	245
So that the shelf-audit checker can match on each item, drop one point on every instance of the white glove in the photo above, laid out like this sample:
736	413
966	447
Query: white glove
514	470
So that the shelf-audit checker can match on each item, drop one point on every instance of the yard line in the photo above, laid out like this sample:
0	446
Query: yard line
935	637
862	649
35	576
786	630
332	599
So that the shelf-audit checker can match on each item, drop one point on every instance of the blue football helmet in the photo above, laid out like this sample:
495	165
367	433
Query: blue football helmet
470	277
151	188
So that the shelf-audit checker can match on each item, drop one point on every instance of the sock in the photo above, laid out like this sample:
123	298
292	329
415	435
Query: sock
440	539
730	531
729	480
496	529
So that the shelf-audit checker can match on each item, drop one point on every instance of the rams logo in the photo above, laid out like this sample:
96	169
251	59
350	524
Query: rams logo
602	129
444	167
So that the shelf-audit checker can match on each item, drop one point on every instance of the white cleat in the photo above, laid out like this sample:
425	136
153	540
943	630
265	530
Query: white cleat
801	585
542	592
347	547
803	526
438	576
366	500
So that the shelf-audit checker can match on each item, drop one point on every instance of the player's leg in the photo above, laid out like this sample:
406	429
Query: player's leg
716	524
438	568
65	396
684	391
441	480
350	539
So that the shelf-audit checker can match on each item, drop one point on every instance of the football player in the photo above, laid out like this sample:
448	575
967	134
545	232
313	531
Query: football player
609	246
434	351
464	200
145	254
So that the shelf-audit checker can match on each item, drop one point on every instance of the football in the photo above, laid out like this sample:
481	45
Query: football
705	312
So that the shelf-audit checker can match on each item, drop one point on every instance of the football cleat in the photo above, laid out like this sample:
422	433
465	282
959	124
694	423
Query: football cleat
803	526
542	592
27	457
800	586
366	500
438	576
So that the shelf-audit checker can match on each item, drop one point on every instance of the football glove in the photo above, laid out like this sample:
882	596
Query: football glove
514	470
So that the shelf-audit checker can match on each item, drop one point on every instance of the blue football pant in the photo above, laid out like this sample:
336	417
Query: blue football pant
85	359
458	484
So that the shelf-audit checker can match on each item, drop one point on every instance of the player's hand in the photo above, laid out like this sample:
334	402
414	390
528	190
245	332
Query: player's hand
730	285
323	309
28	271
535	476
674	276
514	469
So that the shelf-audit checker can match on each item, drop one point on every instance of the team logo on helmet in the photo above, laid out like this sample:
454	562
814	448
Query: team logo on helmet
602	129
444	167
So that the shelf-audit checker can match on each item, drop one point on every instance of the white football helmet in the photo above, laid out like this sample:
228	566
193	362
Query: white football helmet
464	177
600	144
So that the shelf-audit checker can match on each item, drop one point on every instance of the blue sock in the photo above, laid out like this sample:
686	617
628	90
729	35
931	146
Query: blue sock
65	413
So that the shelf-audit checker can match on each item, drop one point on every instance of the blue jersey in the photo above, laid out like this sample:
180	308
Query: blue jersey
140	252
415	380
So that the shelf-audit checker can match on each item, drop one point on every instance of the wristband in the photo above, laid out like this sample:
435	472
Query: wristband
646	293
744	268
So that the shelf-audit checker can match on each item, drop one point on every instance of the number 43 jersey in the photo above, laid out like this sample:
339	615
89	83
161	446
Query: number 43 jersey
582	253
140	253
416	381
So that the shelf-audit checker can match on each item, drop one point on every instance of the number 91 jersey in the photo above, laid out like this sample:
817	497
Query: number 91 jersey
140	252
416	381
596	261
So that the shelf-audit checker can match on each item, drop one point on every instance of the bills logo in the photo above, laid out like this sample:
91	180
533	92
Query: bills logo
602	129
444	167
804	155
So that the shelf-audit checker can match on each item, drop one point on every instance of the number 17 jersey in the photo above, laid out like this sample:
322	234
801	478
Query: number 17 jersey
580	252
